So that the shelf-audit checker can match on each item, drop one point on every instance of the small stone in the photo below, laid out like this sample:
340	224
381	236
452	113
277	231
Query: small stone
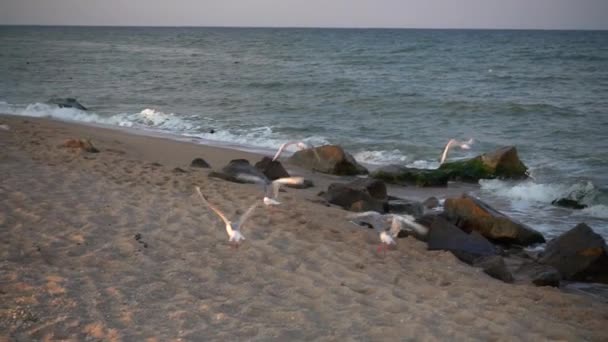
200	162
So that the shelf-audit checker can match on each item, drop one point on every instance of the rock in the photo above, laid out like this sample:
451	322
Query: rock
471	214
495	267
397	174
67	103
404	206
272	169
240	171
200	162
443	235
353	198
332	159
579	254
501	163
547	278
530	271
431	203
179	170
374	187
568	203
82	144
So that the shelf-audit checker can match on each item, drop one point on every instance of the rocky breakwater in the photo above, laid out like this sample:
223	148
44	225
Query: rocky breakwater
502	163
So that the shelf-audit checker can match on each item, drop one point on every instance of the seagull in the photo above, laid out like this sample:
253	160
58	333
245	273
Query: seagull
5	127
388	226
465	145
232	228
301	145
271	189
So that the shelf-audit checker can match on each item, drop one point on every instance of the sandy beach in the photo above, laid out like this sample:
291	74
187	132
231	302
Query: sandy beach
115	246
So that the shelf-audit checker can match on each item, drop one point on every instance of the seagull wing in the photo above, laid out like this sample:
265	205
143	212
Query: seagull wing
444	155
216	210
246	215
276	156
411	223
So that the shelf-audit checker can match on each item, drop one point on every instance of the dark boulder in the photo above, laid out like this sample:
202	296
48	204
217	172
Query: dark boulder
374	187
471	214
404	206
200	162
501	163
579	254
240	171
397	174
353	198
530	271
330	159
495	267
67	103
568	203
443	235
272	169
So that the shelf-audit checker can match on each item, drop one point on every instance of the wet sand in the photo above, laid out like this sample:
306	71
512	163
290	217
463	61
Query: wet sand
115	246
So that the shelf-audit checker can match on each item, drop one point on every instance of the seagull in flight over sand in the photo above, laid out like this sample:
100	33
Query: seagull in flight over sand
300	144
232	228
271	189
388	226
465	145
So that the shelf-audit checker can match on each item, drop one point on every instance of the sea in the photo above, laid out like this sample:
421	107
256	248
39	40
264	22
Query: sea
388	96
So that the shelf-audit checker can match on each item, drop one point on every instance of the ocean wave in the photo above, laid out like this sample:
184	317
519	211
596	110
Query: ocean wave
156	120
583	192
597	211
147	118
381	157
424	164
261	137
151	118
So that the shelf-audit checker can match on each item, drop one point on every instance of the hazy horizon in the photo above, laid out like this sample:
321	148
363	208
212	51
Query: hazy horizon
392	14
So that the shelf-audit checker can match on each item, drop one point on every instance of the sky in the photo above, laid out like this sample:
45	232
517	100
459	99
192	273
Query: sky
513	14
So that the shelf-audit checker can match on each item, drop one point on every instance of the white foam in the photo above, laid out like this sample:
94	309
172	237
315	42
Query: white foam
46	110
156	120
597	211
381	157
151	118
424	164
262	137
530	191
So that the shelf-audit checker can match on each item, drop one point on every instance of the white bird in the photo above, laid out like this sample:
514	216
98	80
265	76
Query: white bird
271	189
5	127
232	228
300	144
388	226
465	145
271	194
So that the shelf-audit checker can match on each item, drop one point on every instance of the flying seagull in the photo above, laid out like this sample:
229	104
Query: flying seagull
232	228
465	145
271	189
388	226
271	193
301	145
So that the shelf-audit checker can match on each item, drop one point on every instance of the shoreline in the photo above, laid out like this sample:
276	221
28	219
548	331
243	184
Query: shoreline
111	244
